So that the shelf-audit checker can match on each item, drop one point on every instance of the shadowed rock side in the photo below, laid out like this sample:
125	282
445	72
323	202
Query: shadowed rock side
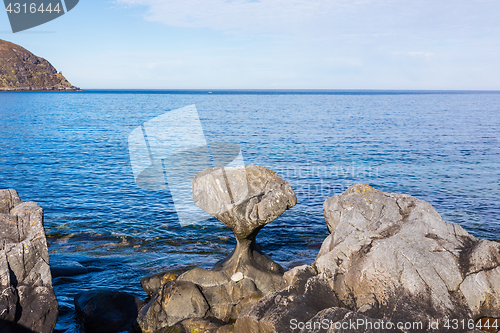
27	299
245	199
106	310
21	70
389	257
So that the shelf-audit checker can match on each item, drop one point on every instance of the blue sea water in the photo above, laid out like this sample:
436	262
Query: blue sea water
69	153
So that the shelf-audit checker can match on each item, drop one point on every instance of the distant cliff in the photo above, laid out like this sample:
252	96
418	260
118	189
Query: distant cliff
21	70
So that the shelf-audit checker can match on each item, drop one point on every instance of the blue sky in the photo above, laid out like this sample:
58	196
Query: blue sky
272	44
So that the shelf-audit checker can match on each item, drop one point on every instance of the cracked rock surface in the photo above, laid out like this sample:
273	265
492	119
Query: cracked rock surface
388	257
392	256
27	299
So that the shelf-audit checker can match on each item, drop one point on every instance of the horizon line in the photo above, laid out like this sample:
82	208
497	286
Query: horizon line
293	90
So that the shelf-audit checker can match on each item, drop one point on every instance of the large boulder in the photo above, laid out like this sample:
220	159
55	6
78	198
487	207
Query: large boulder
392	256
27	301
389	258
305	294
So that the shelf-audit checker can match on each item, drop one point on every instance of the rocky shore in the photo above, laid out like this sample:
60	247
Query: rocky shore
389	264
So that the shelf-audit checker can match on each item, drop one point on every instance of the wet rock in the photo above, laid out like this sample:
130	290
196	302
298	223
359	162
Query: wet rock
27	300
67	269
174	302
152	283
106	310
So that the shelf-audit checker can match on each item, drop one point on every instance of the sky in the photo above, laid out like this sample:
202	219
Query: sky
272	44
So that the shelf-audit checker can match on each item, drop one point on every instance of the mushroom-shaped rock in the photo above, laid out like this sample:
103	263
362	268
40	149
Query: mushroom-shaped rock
245	199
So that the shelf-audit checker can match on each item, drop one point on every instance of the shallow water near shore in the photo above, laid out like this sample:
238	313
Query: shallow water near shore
69	153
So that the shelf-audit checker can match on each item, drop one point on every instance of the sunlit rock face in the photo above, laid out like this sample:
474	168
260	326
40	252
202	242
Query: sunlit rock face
389	258
27	300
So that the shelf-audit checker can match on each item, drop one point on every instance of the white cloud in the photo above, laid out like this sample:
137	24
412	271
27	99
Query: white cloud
237	15
413	44
345	17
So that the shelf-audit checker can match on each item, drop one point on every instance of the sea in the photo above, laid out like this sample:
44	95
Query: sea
69	152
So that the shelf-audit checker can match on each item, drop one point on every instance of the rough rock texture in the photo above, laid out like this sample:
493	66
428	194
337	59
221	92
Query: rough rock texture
175	301
195	325
152	283
305	304
303	298
227	300
245	199
27	299
106	310
21	70
390	257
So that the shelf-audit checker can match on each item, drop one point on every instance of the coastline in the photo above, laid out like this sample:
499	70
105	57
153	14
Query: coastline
61	135
39	89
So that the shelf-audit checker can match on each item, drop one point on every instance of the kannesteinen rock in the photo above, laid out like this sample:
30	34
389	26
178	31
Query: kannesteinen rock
245	199
21	70
27	299
389	259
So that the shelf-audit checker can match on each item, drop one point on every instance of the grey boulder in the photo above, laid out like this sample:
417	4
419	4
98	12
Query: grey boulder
27	300
174	302
245	199
391	256
152	283
304	295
